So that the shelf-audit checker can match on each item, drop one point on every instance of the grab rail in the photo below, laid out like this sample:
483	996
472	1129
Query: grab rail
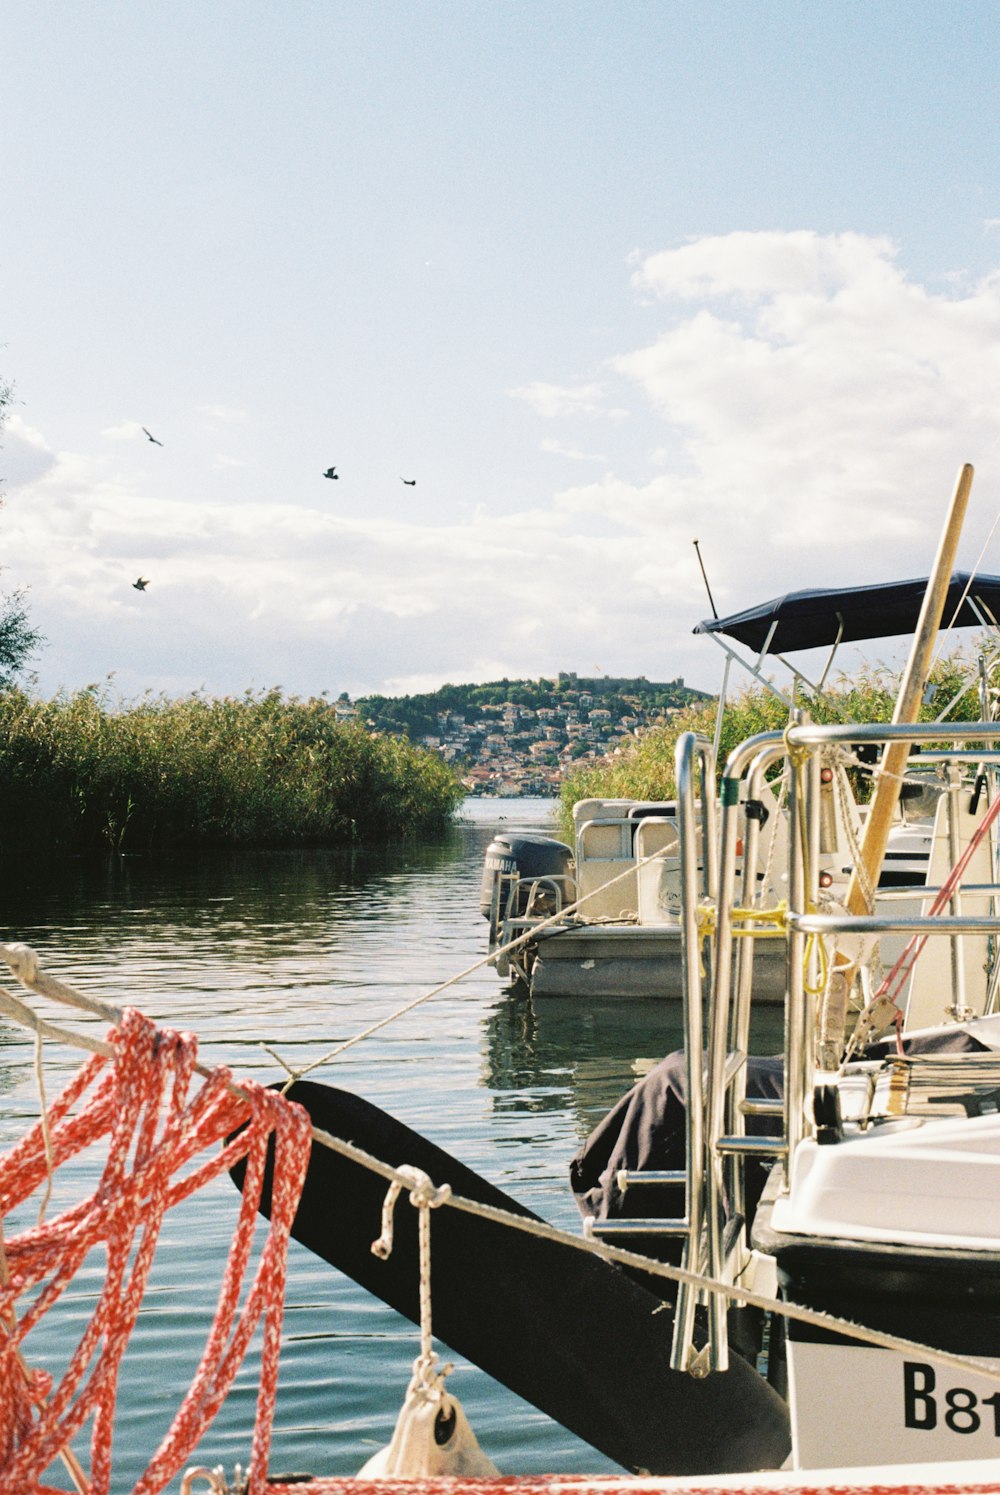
725	1141
692	749
697	827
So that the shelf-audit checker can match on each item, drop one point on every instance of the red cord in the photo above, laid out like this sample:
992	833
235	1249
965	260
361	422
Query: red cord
140	1103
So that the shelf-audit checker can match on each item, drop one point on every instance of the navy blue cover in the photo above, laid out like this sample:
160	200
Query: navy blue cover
811	620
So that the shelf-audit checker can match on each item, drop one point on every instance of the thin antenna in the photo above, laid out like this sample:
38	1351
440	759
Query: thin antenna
708	589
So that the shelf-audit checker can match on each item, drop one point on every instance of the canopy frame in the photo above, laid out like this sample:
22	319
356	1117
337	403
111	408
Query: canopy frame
983	616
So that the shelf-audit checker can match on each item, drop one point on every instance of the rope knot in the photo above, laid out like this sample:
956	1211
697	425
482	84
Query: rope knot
427	1380
706	919
797	753
423	1195
23	962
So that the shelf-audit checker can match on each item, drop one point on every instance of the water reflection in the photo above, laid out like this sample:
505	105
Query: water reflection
266	894
300	951
560	1053
564	1053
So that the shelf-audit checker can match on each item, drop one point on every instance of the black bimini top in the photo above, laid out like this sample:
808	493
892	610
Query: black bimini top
817	619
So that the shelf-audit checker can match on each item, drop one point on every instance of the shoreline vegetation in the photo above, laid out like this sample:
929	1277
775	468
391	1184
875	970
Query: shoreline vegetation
78	774
643	769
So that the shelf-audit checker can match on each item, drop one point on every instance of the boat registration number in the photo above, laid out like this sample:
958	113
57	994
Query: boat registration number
890	1408
928	1400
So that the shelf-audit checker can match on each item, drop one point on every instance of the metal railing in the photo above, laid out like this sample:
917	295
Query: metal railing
696	820
724	1140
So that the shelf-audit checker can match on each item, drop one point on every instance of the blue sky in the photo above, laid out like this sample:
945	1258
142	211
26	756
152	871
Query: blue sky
601	278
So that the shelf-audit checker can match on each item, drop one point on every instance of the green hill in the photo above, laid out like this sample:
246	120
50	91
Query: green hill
419	716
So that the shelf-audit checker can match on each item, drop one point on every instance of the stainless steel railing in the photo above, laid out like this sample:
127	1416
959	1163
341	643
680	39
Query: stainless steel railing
696	820
722	1140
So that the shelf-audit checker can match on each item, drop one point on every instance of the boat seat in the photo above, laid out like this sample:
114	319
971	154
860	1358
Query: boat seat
659	882
603	853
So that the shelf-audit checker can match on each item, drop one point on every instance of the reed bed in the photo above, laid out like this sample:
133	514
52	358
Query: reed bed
643	767
80	773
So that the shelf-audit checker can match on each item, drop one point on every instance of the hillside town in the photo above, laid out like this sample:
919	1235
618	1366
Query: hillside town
525	735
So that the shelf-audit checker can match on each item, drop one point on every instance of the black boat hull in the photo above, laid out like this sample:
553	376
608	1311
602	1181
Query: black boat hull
562	1328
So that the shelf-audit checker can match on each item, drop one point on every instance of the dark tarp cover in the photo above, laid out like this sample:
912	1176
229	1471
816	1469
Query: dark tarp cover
647	1129
812	620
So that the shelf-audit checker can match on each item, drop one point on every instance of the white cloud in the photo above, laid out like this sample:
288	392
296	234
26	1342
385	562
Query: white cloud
826	408
264	593
126	430
560	449
762	264
224	415
25	454
799	403
554	400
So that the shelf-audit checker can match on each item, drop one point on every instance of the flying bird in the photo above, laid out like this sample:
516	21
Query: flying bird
331	472
152	438
410	482
141	584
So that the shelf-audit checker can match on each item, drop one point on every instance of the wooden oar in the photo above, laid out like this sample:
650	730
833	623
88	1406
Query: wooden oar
565	1330
894	759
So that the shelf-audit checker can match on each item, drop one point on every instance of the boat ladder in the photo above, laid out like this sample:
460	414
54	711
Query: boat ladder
807	1078
696	825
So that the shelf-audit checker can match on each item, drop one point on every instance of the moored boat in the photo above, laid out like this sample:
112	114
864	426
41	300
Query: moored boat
599	919
831	1320
868	1272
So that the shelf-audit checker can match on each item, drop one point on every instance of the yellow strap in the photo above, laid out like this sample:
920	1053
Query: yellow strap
706	918
776	918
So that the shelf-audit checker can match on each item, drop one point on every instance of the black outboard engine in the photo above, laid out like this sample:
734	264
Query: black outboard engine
519	858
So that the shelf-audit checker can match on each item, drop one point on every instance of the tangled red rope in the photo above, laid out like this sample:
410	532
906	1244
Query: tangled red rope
141	1101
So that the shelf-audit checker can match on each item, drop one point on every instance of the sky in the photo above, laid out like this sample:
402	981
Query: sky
598	280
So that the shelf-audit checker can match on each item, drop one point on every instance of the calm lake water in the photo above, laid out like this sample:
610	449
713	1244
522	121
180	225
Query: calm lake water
301	950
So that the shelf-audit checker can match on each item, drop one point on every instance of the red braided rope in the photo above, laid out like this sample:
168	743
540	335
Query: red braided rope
140	1102
892	985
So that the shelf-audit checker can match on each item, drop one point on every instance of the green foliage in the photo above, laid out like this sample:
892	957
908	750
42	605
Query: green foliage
417	716
18	640
643	768
260	770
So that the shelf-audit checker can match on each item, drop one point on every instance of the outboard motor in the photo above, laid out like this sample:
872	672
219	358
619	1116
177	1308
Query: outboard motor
519	858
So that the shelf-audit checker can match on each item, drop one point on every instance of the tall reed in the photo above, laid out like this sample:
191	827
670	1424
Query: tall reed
78	772
643	767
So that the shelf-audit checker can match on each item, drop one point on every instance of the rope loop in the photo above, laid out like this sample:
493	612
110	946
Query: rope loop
423	1196
797	753
817	943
